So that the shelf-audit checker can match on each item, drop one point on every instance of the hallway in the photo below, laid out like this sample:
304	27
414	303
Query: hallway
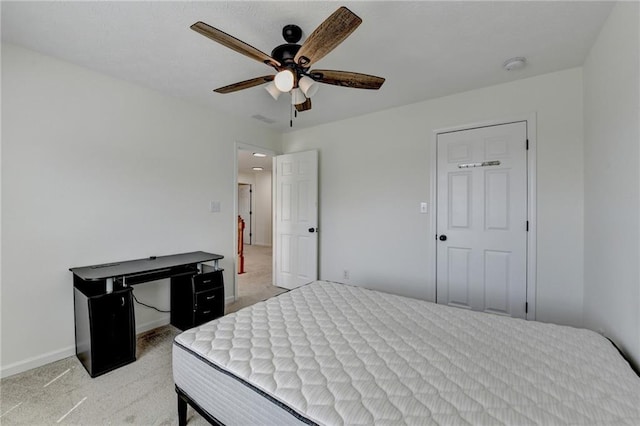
255	284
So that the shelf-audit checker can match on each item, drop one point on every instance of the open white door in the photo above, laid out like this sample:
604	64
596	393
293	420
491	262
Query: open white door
296	219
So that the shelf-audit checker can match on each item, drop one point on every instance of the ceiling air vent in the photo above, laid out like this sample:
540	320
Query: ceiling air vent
263	118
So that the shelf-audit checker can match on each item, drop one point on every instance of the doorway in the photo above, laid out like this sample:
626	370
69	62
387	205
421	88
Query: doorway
254	207
484	177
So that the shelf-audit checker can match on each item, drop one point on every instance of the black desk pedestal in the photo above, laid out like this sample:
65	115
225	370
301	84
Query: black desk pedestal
104	317
105	330
196	299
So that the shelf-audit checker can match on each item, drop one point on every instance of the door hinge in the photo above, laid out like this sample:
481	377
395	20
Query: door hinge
527	145
527	226
526	307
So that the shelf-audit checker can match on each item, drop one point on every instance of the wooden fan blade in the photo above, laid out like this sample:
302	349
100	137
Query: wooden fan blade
233	43
354	80
305	106
327	36
245	84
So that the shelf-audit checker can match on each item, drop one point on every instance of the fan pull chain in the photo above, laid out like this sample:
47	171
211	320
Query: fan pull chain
291	116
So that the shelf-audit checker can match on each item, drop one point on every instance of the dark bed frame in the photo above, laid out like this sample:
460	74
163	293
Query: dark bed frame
183	400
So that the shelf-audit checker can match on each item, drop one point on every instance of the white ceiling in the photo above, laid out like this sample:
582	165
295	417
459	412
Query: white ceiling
423	49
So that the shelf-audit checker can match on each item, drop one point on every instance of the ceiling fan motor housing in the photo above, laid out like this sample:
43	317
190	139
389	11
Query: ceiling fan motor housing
285	53
292	33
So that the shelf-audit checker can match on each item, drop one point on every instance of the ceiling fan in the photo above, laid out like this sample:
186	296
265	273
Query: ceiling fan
293	61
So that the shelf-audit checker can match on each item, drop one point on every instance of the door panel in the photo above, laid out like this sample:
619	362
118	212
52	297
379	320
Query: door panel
458	277
497	196
496	282
305	269
482	210
285	202
296	260
303	201
459	200
284	251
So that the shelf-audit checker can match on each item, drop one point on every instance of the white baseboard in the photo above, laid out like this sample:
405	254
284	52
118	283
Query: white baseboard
229	299
40	360
36	361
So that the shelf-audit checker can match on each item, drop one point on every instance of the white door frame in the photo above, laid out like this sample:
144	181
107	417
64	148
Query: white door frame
245	147
530	119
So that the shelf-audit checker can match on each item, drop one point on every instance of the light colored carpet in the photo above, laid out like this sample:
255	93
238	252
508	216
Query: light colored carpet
141	393
257	282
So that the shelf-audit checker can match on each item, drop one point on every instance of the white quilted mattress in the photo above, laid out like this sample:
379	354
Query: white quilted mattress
333	354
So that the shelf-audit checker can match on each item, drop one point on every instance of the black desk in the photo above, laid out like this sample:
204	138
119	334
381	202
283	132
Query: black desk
104	315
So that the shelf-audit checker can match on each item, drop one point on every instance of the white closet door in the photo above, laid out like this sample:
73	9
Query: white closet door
482	219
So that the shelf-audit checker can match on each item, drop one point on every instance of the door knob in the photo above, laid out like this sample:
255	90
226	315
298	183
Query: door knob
312	230
443	238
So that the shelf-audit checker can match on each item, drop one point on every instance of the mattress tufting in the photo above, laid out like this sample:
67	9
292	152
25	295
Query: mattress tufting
334	354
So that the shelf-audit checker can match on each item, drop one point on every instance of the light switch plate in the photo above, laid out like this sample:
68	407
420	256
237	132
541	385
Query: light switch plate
214	206
424	207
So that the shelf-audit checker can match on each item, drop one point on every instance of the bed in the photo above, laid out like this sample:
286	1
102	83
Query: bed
333	354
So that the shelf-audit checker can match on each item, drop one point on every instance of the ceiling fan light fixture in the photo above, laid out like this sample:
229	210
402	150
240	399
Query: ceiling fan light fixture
308	86
284	80
273	90
297	96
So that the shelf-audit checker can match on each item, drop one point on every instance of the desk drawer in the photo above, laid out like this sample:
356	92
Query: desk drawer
210	280
209	305
209	298
205	316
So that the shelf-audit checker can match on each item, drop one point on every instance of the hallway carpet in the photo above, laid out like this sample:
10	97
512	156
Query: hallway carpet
256	283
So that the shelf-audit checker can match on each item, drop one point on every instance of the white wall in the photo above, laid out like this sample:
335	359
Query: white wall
374	171
612	181
263	209
97	170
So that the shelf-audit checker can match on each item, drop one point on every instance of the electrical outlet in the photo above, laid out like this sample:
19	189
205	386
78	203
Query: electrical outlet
345	274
